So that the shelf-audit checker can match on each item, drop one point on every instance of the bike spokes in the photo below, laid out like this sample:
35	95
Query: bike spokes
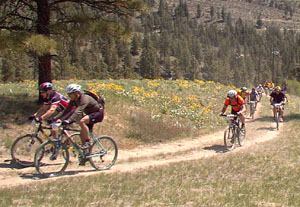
103	153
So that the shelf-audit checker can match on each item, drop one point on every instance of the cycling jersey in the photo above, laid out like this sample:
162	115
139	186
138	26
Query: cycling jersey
243	94
236	105
58	100
85	105
277	98
253	96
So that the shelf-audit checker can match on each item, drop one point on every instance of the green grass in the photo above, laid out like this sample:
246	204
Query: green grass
266	175
143	111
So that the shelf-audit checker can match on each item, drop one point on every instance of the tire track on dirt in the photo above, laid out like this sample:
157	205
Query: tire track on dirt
259	130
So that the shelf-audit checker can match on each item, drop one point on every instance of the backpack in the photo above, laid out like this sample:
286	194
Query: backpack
98	98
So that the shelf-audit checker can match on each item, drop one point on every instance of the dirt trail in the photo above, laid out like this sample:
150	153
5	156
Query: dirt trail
259	130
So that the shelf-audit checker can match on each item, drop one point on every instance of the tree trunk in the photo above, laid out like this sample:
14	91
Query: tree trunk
43	23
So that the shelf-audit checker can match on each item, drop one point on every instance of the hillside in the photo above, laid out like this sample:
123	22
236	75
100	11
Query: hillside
275	14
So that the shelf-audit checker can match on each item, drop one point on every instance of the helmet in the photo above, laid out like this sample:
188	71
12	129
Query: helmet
231	94
253	89
277	88
259	85
45	86
73	88
244	89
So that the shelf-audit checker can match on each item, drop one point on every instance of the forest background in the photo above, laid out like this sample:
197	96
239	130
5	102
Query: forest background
239	42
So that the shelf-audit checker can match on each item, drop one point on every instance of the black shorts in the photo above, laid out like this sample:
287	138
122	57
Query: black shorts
95	118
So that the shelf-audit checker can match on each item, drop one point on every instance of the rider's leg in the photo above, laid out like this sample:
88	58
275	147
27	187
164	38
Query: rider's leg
84	134
274	112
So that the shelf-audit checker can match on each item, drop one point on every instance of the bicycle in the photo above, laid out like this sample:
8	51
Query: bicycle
52	157
233	133
259	96
252	108
23	148
277	113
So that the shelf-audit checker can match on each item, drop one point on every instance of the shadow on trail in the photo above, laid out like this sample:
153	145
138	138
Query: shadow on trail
291	117
37	176
11	165
216	148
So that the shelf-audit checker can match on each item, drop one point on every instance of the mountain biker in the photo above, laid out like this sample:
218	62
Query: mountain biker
237	104
244	93
54	103
278	97
87	112
254	96
260	89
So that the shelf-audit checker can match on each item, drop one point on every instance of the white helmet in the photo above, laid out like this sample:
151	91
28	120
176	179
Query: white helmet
73	88
231	93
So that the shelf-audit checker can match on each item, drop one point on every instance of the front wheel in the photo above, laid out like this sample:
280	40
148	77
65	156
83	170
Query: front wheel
242	136
277	120
51	159
229	138
103	153
23	149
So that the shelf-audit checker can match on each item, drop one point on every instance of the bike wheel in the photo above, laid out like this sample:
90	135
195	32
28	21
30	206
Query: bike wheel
242	136
23	149
229	138
103	153
252	111
51	160
277	120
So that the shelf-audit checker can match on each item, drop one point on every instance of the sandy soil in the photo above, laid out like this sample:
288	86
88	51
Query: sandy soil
259	130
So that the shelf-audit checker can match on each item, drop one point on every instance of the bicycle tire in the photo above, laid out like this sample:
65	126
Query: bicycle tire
229	138
48	167
242	136
23	149
277	120
108	150
252	111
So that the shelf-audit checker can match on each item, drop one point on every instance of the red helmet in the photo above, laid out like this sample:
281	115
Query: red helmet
45	86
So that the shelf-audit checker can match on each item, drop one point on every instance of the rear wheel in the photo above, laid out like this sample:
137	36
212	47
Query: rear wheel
51	160
23	149
229	138
103	153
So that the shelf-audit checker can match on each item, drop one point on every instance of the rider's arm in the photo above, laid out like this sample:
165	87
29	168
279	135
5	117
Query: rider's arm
78	112
41	110
49	112
224	109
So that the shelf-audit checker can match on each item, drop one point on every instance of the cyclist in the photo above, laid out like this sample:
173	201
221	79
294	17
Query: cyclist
237	104
260	89
278	97
244	94
54	103
87	112
254	96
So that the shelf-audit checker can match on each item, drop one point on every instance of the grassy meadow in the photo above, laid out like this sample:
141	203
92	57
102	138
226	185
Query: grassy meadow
267	175
136	111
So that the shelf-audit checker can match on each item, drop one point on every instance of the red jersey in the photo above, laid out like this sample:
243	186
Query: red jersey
237	104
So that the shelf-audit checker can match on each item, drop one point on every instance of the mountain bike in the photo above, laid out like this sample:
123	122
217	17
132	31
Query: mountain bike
252	108
259	96
233	134
277	114
23	148
52	157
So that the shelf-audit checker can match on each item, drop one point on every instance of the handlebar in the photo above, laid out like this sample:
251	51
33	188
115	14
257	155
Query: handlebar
229	115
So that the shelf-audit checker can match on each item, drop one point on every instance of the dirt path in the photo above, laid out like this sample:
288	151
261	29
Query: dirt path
259	130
